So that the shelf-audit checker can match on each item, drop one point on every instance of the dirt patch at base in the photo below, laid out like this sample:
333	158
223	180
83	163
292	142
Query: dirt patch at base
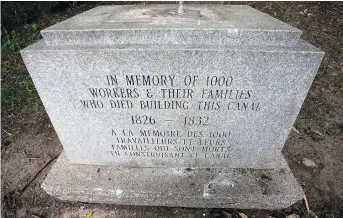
29	140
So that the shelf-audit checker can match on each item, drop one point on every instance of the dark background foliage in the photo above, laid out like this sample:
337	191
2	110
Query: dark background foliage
14	14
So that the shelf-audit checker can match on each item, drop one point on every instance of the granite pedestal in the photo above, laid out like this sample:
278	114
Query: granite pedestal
158	108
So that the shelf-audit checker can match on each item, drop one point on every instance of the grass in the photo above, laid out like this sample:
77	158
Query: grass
14	40
17	89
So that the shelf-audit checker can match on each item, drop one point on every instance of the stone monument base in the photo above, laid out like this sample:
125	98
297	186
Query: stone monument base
174	187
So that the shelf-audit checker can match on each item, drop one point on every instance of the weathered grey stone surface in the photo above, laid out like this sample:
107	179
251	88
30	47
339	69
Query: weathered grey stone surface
161	24
155	108
278	78
175	187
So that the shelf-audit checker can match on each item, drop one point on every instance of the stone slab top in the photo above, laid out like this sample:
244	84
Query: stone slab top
162	24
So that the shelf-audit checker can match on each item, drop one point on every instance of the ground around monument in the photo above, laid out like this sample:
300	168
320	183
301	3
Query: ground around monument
314	149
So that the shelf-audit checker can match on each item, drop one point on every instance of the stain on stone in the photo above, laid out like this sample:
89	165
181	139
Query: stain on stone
265	177
243	171
98	171
209	185
188	169
266	184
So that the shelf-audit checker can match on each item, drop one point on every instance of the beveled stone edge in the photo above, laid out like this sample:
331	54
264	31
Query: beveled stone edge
301	47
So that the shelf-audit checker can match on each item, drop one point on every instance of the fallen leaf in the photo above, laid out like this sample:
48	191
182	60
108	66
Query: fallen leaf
243	215
295	130
8	133
309	163
317	132
89	215
292	216
306	203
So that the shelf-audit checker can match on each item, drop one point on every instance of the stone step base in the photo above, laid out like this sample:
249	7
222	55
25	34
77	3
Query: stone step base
174	187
